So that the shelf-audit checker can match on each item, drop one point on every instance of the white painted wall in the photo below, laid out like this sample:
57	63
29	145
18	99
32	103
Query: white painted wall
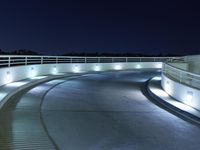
11	74
181	92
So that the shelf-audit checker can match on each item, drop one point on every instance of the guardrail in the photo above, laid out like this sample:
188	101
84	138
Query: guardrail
181	76
14	60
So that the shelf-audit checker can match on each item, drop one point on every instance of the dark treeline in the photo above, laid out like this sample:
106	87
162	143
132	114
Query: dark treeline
117	54
30	52
19	52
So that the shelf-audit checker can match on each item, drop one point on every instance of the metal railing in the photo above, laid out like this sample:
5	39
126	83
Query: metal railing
181	76
15	60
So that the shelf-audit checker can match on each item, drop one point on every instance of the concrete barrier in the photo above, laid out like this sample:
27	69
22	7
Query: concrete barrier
15	73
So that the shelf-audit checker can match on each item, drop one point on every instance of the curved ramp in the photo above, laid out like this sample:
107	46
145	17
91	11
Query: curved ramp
104	111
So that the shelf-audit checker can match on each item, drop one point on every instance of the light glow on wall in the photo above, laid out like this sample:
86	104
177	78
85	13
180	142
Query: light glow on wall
32	72
118	67
138	66
76	69
97	68
17	84
189	97
158	78
55	70
167	85
159	65
8	77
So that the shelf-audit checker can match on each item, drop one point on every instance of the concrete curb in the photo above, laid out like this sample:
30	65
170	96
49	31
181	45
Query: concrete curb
171	108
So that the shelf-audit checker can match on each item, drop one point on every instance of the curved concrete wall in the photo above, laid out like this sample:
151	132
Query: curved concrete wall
10	74
181	92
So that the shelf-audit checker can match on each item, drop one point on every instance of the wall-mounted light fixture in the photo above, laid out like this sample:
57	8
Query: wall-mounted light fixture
118	67
97	68
189	97
76	69
138	66
32	72
8	77
54	70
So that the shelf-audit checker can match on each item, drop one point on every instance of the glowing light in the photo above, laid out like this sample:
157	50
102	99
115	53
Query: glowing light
16	84
118	67
76	69
181	106
159	92
38	77
159	65
8	77
189	97
97	68
138	66
158	78
32	72
167	85
54	70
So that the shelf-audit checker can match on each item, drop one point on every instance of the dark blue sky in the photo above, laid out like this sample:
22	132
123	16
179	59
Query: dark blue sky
142	26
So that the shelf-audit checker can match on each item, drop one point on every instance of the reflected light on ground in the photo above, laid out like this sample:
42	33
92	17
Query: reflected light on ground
8	77
181	106
158	78
16	84
160	92
38	77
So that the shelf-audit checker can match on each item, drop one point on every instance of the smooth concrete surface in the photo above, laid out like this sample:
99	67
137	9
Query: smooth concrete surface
186	111
106	111
181	92
21	125
109	112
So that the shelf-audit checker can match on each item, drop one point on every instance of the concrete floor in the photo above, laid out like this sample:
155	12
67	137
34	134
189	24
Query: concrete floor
109	112
104	111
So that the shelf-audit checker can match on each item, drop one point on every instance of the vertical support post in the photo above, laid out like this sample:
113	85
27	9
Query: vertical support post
56	59
70	59
85	60
41	60
126	59
9	61
26	60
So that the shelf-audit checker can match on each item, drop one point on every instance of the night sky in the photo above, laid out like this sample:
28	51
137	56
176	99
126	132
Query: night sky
142	26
